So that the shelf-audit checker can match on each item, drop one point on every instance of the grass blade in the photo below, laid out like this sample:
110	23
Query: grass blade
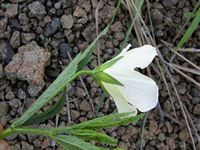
50	113
74	143
190	30
94	136
103	122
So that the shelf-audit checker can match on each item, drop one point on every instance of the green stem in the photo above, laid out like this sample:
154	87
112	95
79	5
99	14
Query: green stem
35	131
82	72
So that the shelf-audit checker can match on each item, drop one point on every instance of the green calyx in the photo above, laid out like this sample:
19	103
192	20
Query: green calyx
108	64
104	77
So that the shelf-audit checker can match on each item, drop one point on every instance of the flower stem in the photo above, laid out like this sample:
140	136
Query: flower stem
82	72
17	130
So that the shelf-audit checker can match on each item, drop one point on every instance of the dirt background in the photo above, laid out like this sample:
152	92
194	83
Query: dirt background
65	28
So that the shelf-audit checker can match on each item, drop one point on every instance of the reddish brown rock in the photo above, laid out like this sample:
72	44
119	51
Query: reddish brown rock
28	64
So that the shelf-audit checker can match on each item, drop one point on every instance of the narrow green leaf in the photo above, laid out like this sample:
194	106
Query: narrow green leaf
67	146
104	122
50	113
102	76
108	64
88	52
74	143
190	30
58	85
94	136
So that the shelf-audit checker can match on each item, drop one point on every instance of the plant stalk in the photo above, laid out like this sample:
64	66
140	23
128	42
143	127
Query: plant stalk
17	130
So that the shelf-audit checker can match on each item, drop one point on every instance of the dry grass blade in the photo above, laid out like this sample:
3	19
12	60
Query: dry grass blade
97	32
193	71
167	87
192	124
188	61
181	56
192	50
68	108
149	15
134	15
143	131
172	118
184	75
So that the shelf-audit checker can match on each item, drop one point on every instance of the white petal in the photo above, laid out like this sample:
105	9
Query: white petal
139	90
121	103
139	57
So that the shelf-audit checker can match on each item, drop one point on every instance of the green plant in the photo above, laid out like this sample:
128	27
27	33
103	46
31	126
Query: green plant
193	26
72	137
69	137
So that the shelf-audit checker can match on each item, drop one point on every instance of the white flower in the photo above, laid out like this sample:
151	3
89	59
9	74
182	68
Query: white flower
138	91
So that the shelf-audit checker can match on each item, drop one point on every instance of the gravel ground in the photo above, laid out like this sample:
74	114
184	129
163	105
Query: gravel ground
60	29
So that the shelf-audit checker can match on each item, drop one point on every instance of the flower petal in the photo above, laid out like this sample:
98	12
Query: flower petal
139	90
139	57
121	103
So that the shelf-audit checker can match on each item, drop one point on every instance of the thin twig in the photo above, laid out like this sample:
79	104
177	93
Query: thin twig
150	20
68	108
172	118
143	131
192	124
193	71
97	32
184	75
188	61
192	50
167	87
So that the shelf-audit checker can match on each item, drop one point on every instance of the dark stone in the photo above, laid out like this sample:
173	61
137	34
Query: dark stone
10	53
6	51
52	27
59	12
58	35
15	24
64	48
